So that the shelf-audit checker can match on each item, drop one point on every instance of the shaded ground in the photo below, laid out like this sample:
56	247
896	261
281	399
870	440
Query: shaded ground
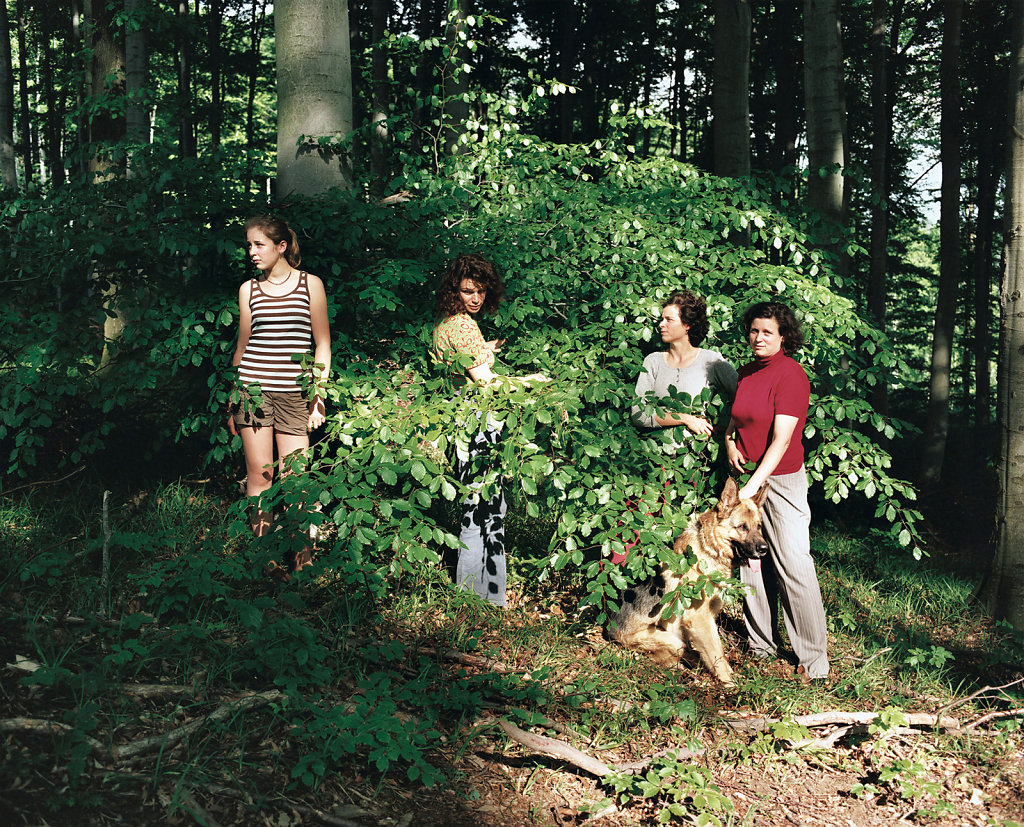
974	777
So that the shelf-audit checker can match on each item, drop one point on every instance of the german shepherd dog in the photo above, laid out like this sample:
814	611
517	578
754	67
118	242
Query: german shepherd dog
726	534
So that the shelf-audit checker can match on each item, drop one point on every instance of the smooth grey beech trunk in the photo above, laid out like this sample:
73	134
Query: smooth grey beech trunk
823	61
314	95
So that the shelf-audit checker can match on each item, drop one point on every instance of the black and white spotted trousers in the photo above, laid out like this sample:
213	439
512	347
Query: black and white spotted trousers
481	565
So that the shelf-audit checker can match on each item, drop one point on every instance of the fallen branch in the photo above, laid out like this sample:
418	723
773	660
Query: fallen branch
556	749
465	658
42	726
983	691
169	739
993	716
914	719
150	691
565	752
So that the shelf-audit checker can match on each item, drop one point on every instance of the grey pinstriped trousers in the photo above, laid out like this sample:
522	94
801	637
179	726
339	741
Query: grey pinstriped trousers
787	572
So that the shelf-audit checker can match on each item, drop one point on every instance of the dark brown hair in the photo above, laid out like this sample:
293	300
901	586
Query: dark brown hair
693	311
277	230
474	267
789	325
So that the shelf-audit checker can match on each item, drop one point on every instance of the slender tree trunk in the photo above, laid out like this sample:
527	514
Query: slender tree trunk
214	23
53	123
106	89
937	423
990	153
823	62
1002	591
784	56
881	123
456	82
136	75
8	169
589	110
730	90
314	95
25	138
186	127
380	13
568	25
681	89
259	14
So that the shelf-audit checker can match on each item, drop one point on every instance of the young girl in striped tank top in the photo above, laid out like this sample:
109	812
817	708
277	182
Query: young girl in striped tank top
283	312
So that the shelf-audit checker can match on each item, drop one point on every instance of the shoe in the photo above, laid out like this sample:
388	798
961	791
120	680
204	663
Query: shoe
802	676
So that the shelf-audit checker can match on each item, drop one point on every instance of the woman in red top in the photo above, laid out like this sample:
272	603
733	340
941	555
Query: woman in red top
766	428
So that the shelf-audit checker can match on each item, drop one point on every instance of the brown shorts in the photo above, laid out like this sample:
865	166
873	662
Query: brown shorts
285	411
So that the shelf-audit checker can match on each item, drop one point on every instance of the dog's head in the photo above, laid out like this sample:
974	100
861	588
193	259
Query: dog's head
739	522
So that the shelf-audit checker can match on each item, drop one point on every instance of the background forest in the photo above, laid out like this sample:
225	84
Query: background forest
853	159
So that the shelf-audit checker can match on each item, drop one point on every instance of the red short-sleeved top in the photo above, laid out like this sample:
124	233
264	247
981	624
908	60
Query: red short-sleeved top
460	334
767	388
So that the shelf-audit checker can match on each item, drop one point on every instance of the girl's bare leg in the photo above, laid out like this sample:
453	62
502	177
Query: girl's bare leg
289	444
258	444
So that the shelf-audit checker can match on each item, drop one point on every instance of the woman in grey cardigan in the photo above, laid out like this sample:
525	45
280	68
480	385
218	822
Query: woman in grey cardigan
686	366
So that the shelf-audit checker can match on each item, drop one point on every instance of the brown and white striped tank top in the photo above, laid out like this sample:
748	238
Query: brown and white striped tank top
281	327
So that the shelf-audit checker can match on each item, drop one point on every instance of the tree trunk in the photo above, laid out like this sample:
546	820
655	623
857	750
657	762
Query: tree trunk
380	14
730	93
1003	589
680	93
784	58
25	138
136	58
455	83
881	122
259	14
106	84
8	169
314	95
990	153
53	122
823	61
568	25
214	22
186	128
937	422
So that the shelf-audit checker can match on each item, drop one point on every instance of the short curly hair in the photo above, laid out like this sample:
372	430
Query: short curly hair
789	325
474	267
693	311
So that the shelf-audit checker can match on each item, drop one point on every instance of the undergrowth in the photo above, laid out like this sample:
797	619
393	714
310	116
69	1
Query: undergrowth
395	676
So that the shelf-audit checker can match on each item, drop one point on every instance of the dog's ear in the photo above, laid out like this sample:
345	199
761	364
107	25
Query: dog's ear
761	495
730	496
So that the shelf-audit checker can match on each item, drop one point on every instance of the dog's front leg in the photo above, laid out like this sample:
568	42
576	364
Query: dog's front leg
702	635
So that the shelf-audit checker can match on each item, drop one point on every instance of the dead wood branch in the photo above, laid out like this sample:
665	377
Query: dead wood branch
914	719
41	726
556	749
994	716
169	739
636	766
462	657
328	818
980	693
565	752
151	691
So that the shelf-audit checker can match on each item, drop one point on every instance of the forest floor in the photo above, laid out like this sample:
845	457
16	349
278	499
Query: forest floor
791	769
